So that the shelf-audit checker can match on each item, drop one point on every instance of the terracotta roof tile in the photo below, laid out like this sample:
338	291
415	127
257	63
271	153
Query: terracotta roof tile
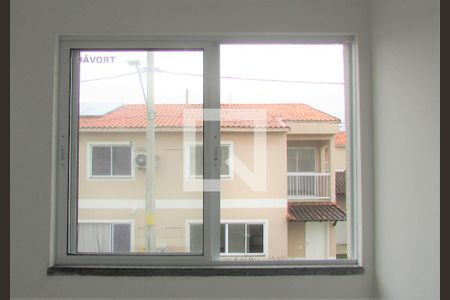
171	115
315	212
339	139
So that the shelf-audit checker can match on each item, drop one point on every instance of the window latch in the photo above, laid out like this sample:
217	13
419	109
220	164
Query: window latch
216	153
62	158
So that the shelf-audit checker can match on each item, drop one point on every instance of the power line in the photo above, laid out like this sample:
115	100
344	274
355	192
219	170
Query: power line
109	77
223	77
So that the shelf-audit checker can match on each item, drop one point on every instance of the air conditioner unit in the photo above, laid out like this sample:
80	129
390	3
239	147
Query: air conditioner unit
140	160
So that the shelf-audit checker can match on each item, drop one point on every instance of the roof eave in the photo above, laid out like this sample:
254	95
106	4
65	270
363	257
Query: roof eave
174	129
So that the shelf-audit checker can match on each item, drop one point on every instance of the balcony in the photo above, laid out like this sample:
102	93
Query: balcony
308	185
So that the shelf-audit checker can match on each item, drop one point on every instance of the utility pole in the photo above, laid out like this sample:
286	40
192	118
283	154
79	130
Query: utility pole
149	97
150	233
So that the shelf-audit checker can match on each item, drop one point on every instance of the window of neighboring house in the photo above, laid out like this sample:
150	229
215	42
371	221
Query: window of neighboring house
235	238
301	159
196	161
242	238
104	237
326	159
301	163
111	160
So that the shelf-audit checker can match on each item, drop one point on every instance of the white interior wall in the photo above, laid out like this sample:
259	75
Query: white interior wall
405	49
35	27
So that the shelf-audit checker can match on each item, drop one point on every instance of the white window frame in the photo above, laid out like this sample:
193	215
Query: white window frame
188	162
66	147
90	145
265	225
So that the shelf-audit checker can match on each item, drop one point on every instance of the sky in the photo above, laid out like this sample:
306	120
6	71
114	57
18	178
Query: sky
310	74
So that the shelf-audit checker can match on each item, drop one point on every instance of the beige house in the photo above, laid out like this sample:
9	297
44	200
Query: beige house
293	214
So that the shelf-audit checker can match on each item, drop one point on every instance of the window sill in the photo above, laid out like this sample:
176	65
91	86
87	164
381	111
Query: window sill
205	271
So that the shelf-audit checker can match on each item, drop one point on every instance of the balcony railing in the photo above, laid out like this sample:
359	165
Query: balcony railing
308	185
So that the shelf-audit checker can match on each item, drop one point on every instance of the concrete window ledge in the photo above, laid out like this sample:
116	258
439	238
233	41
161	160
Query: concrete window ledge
204	271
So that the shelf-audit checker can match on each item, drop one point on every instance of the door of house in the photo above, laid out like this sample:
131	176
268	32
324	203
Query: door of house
316	240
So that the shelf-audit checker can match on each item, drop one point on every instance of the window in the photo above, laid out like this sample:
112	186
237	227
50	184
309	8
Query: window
104	237
182	118
301	165
196	161
301	160
236	238
242	238
111	161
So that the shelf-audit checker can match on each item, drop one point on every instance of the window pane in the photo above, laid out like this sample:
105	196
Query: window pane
196	160
121	160
283	109
196	238
222	238
101	161
192	153
236	238
121	237
255	238
224	154
95	237
306	160
199	160
146	103
292	160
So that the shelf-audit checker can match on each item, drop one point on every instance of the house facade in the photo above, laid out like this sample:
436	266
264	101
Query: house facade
294	215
